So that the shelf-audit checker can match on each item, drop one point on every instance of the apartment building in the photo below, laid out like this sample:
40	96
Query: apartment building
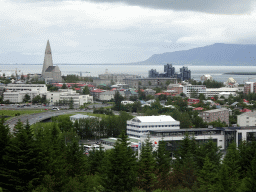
247	119
221	114
188	89
249	87
67	94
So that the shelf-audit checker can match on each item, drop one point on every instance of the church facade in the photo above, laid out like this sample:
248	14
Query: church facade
50	73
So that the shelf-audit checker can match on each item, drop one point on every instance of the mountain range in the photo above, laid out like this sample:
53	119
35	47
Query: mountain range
216	54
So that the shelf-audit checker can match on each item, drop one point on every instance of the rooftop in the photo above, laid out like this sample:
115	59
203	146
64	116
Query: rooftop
152	119
216	110
249	114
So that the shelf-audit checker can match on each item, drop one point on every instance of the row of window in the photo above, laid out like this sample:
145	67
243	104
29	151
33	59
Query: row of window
137	131
152	126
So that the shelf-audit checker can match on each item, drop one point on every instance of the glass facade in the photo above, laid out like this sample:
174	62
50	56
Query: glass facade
230	136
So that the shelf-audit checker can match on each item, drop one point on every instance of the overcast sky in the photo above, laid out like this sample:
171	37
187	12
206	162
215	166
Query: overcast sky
119	31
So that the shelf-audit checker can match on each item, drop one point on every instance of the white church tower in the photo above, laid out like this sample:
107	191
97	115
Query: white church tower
47	58
50	73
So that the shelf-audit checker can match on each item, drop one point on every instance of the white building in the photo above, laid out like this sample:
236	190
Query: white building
79	116
206	77
42	88
140	125
247	119
211	92
126	102
187	89
15	93
67	94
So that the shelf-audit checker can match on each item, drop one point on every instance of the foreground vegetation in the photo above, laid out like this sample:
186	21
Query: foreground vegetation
49	158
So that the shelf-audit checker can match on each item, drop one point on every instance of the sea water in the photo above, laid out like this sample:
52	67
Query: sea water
217	72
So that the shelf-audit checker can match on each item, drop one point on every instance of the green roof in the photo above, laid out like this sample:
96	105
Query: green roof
102	84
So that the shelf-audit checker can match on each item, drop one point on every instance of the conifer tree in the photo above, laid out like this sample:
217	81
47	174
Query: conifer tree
163	165
207	175
95	160
120	169
249	182
228	177
147	166
21	172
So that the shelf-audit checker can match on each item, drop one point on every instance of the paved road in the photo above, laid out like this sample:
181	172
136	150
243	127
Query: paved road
37	117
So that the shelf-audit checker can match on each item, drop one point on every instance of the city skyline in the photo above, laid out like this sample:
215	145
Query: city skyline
118	32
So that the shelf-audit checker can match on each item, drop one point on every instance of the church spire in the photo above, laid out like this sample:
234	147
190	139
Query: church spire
48	48
47	58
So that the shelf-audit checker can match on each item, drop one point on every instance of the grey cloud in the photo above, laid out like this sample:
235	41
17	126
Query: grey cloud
208	6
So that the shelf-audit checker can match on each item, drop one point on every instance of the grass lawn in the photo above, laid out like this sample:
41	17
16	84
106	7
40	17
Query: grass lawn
11	113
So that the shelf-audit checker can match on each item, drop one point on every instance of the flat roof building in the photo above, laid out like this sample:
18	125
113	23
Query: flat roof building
140	125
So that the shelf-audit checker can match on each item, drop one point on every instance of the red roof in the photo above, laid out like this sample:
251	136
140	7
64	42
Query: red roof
159	94
245	101
245	110
97	91
59	85
81	85
113	89
140	90
77	89
89	85
198	109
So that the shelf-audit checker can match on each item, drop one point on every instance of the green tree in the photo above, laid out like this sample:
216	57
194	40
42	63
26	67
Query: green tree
71	103
21	170
120	171
228	177
26	98
147	167
207	175
86	90
117	99
64	86
163	165
249	182
37	99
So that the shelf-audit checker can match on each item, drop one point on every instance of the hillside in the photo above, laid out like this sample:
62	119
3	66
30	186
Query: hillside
216	54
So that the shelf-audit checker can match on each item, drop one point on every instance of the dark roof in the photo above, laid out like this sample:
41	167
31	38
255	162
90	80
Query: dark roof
50	69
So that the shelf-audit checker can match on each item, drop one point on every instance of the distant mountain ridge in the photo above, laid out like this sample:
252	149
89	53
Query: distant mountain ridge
216	54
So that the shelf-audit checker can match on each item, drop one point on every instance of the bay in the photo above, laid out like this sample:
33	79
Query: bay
217	72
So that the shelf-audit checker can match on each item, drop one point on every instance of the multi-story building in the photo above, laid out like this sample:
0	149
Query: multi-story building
185	74
221	114
247	119
222	137
15	93
178	88
26	87
67	94
140	125
249	87
188	89
211	92
149	82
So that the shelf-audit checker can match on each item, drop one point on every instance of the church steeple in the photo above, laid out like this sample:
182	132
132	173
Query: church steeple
47	58
48	48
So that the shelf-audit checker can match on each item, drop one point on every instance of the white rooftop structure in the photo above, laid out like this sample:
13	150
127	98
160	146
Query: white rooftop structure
154	119
79	116
140	125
